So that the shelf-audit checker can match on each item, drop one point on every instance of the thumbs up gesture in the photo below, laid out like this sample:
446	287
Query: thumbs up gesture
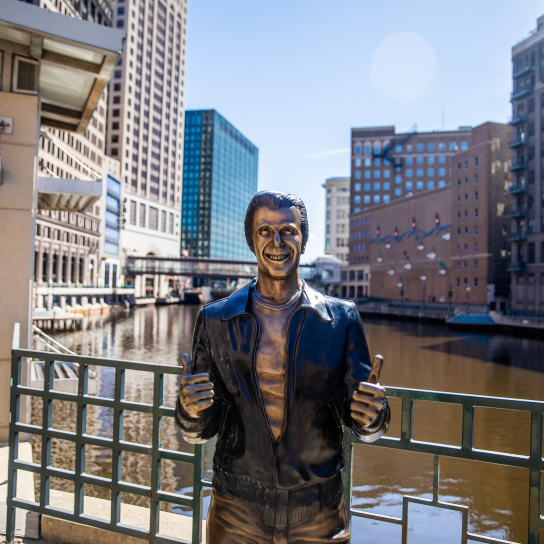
195	390
369	397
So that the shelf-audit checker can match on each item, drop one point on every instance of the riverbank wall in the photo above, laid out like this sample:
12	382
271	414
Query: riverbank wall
471	318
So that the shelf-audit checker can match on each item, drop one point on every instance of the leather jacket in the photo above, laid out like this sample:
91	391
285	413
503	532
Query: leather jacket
327	357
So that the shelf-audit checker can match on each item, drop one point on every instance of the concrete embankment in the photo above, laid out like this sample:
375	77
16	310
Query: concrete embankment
462	318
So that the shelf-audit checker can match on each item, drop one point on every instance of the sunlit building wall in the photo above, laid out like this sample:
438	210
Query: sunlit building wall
526	209
337	217
145	127
67	244
437	228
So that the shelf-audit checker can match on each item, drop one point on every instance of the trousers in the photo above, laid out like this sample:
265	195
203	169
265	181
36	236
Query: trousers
232	522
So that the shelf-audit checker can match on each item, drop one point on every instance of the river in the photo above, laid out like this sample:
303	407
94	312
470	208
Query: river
420	356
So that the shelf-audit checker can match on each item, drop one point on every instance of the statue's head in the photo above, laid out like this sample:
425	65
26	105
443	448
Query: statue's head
275	200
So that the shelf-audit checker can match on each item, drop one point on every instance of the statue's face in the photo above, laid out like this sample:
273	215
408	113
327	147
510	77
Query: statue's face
277	241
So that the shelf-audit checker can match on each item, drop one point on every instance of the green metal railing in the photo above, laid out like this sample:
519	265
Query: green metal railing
79	477
533	462
158	411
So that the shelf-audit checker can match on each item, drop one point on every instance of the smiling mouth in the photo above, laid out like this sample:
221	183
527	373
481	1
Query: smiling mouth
277	257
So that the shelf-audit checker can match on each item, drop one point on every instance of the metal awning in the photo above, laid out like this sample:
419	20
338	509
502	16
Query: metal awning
67	195
76	59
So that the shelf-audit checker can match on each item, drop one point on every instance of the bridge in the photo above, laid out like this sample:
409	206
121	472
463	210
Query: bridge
194	267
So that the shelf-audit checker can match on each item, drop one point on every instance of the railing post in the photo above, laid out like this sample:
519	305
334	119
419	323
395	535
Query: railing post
198	475
348	471
535	479
13	436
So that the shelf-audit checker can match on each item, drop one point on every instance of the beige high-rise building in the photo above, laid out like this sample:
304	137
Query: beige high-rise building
146	128
337	217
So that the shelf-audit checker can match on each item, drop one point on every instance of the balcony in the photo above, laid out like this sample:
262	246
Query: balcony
519	165
522	92
518	236
516	213
517	189
517	266
518	141
523	71
517	120
68	195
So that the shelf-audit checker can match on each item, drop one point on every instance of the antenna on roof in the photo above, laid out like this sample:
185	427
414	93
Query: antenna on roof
442	118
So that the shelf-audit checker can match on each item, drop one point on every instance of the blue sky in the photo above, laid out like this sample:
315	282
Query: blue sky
295	76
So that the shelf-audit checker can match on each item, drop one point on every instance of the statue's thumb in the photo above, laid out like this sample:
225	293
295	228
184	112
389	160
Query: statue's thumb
186	363
377	363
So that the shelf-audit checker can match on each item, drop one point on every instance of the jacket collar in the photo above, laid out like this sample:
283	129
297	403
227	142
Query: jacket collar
239	302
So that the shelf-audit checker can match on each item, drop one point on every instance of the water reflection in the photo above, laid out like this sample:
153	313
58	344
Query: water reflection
419	356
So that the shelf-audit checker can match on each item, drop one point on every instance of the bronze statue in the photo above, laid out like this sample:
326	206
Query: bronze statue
276	370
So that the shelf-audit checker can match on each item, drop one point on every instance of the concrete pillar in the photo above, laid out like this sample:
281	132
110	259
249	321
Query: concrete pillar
138	286
163	286
17	228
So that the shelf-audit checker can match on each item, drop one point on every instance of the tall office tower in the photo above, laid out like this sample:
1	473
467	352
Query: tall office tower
439	226
68	222
337	217
219	180
145	126
527	190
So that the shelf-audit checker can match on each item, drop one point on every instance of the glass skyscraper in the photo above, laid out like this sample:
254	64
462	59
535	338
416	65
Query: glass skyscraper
219	179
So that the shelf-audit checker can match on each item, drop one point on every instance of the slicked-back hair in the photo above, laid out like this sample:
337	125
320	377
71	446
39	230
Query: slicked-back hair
275	200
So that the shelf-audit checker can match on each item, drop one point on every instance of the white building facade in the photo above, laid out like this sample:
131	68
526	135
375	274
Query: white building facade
337	217
146	129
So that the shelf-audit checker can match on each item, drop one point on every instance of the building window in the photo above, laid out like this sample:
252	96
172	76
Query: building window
142	215
132	212
531	253
163	221
171	223
153	218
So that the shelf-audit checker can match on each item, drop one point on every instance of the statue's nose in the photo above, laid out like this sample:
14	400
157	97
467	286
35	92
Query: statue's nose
277	238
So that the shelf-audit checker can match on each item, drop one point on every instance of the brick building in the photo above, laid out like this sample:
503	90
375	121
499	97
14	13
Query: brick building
436	229
527	190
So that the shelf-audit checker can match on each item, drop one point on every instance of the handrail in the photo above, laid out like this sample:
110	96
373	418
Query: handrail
533	462
46	339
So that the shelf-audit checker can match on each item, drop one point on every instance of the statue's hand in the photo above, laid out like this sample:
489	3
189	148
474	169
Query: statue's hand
195	390
369	397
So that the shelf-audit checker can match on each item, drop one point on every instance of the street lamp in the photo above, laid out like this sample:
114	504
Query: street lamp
466	305
424	280
400	285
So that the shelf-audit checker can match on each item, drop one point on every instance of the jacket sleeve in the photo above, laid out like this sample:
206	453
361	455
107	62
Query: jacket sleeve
201	429
358	365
